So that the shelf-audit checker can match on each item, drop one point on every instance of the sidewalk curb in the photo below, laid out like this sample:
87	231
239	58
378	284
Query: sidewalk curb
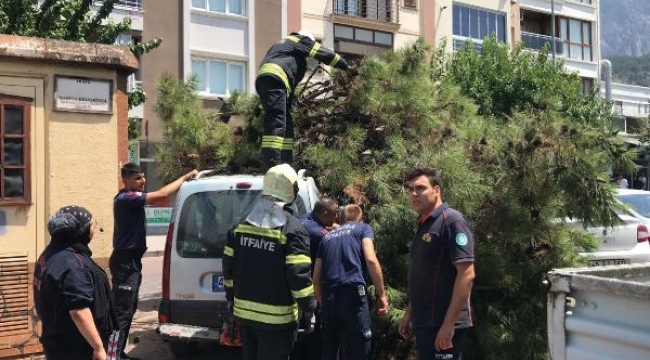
146	305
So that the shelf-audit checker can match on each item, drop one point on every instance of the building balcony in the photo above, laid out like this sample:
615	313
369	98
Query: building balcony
128	4
538	41
134	84
381	11
123	9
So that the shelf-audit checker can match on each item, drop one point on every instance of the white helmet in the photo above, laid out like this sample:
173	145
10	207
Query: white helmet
281	182
306	33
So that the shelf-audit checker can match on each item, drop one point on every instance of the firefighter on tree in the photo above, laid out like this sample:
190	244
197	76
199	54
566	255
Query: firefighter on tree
281	71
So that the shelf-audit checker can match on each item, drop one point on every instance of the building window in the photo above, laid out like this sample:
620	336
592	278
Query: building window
377	38
14	152
234	7
576	36
586	85
471	23
217	77
411	4
618	107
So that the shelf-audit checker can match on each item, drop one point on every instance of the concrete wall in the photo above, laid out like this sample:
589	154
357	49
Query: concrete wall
74	156
161	20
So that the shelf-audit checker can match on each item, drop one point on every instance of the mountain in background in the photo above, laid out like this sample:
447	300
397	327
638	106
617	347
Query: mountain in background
624	27
625	39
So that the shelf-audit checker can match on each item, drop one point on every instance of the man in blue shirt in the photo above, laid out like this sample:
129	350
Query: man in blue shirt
340	288
130	242
441	273
319	222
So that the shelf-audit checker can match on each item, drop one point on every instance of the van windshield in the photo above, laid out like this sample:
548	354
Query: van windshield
206	218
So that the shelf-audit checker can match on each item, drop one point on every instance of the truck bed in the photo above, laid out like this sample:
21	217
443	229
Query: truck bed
599	313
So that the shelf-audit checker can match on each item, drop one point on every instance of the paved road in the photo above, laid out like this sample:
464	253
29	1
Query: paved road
145	343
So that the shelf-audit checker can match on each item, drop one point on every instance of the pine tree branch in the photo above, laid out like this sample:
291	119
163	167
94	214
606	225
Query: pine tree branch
103	12
73	29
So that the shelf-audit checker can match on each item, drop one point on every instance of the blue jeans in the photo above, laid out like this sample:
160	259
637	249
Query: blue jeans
425	338
346	314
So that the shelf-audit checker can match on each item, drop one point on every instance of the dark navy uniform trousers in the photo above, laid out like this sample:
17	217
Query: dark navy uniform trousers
346	314
126	270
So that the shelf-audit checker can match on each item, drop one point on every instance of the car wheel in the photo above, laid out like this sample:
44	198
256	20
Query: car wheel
181	348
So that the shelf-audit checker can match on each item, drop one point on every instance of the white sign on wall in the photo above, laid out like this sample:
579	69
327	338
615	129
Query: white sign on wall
79	94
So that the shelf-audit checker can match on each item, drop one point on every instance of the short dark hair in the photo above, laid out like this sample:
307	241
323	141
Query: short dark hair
432	174
325	203
130	169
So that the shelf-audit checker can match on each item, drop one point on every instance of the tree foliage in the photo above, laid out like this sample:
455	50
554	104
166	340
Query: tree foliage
72	20
519	148
194	138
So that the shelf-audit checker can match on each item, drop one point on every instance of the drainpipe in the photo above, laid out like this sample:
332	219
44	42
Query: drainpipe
606	75
553	28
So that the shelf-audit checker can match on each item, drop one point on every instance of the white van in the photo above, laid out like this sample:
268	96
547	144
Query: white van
193	301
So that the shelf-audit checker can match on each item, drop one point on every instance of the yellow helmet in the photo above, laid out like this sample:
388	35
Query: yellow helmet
281	182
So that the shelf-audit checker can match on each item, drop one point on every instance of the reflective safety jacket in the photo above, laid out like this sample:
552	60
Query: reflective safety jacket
267	274
287	59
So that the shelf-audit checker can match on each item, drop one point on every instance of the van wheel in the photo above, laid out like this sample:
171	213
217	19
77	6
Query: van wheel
182	348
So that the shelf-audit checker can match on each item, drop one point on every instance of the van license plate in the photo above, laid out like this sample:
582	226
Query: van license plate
217	283
606	262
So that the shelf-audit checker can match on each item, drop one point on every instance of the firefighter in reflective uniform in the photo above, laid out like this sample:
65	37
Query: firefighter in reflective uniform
281	71
266	268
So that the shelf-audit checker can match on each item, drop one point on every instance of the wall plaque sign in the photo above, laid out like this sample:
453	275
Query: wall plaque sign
80	94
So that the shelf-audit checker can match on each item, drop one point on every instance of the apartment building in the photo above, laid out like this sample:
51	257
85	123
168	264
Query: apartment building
220	42
472	20
631	107
577	33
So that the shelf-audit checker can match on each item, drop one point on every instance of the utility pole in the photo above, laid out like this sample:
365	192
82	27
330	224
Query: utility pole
554	49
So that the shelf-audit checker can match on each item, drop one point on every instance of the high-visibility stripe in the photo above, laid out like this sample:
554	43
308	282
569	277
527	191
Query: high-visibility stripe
273	138
297	259
275	146
287	144
309	290
228	282
277	71
293	38
273	142
265	308
337	57
265	318
314	50
269	233
227	250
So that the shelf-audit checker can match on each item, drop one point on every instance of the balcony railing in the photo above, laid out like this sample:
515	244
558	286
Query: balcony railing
133	4
377	10
537	42
134	85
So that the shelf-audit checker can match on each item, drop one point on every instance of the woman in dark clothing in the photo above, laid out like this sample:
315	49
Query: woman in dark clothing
71	291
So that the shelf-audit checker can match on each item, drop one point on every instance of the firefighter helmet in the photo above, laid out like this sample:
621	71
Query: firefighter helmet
281	182
306	33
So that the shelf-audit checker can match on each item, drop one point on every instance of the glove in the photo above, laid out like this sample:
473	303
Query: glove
307	322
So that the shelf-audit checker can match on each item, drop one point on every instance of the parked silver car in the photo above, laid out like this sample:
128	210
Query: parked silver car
627	242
